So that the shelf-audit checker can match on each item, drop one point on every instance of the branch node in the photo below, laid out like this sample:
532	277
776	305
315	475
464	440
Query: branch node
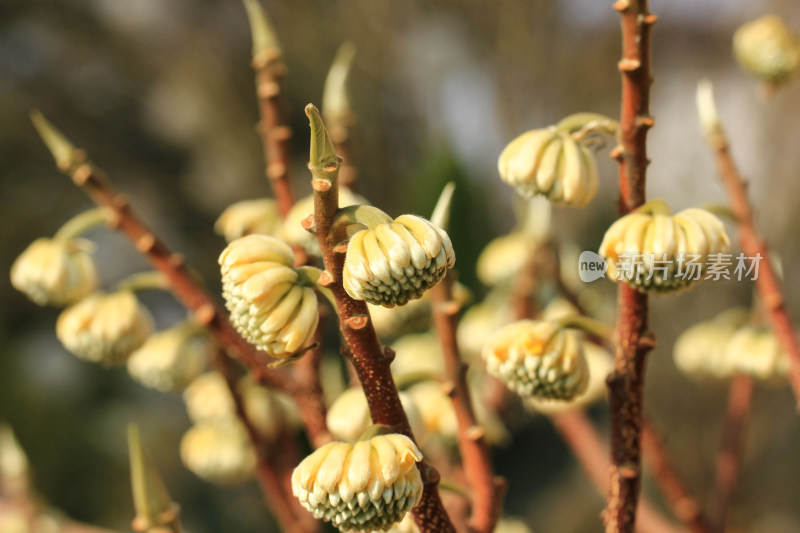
205	314
622	5
616	153
629	471
268	89
280	133
276	170
629	65
308	223
476	433
145	243
449	388
176	260
645	122
325	279
340	248
357	322
320	185
650	19
82	175
389	354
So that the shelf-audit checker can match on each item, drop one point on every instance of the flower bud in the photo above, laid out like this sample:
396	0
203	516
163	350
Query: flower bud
292	230
170	359
511	525
208	398
394	322
435	408
365	486
417	353
662	252
754	351
219	452
104	328
268	305
767	48
396	262
481	320
406	525
503	258
349	417
551	163
247	217
55	272
538	359
700	350
269	411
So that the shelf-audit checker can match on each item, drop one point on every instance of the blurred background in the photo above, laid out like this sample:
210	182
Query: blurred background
160	93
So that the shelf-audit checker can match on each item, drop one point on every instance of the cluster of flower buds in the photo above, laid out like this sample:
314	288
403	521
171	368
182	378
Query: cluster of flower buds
536	358
396	261
366	486
269	305
219	452
768	49
553	162
292	231
652	250
727	346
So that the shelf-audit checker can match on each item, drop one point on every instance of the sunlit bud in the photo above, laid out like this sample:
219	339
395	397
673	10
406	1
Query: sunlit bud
267	410
417	353
14	472
292	230
104	328
754	351
538	359
435	407
767	48
396	262
481	320
208	398
55	272
155	509
700	350
365	486
268	305
653	250
504	257
244	218
170	359
600	363
348	416
559	308
219	451
406	525
551	163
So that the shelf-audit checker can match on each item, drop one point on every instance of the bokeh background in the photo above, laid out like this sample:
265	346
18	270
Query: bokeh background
160	93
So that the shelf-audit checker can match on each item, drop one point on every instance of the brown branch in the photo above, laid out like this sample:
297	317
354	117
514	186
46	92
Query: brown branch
769	288
275	133
681	501
589	449
633	341
370	361
730	454
487	491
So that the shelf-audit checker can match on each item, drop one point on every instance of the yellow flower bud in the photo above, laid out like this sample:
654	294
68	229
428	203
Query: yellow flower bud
349	417
104	328
537	358
365	486
416	315
55	272
436	409
219	452
700	350
663	252
268	305
755	351
504	257
244	218
293	232
481	320
551	163
396	262
170	359
269	411
417	353
767	48
208	398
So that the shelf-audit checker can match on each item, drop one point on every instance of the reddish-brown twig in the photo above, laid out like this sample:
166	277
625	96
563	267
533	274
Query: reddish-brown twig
591	452
633	340
730	453
681	501
370	361
487	491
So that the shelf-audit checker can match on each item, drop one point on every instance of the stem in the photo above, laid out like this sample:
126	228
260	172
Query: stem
369	360
487	491
586	122
633	341
588	325
683	504
81	223
751	242
730	454
144	281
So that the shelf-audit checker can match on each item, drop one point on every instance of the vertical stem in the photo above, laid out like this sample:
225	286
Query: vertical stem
633	341
487	491
730	453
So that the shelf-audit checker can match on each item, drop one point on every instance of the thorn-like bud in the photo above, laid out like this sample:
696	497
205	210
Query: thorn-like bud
62	150
707	110
154	506
265	39
441	213
335	98
323	160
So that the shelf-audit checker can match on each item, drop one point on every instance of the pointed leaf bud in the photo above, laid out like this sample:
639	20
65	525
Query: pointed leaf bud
335	98
265	39
154	506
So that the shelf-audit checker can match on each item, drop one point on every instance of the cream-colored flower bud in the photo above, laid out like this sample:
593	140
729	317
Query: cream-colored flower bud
435	408
365	486
754	351
268	411
503	258
418	353
767	48
219	452
208	398
170	359
662	252
247	217
55	272
481	320
511	525
538	359
105	328
551	163
406	525
396	262
394	322
268	305
700	350
292	230
349	417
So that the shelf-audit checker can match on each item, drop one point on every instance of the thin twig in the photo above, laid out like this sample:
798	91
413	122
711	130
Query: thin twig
370	361
681	501
633	340
487	491
729	457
